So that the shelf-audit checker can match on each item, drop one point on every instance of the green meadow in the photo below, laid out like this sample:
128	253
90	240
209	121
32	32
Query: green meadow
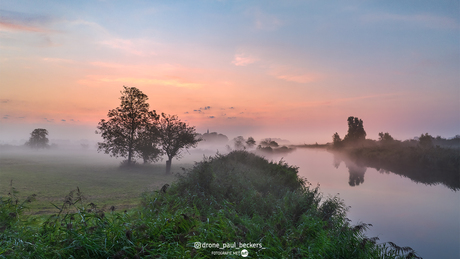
51	174
237	204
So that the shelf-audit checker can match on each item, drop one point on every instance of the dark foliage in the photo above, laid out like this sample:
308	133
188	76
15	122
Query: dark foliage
175	136
128	127
38	139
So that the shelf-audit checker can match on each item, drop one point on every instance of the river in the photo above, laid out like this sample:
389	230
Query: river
423	217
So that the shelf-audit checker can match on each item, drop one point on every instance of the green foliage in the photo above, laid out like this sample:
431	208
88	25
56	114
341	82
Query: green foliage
175	136
237	198
130	130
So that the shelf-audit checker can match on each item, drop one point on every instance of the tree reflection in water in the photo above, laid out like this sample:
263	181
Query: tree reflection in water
356	171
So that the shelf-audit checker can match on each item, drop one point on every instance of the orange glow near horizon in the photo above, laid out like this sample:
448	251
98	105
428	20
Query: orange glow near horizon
280	75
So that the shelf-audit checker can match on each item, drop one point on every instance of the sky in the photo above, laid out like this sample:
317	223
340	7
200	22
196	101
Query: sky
294	70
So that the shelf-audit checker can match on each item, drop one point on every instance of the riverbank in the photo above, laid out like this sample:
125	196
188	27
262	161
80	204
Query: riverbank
240	201
427	165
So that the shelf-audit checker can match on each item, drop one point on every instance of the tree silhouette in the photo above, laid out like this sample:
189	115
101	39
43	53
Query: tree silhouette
250	142
147	144
356	131
336	140
175	136
128	126
239	142
425	141
268	142
38	139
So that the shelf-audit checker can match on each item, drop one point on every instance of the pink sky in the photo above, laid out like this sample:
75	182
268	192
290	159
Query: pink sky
294	71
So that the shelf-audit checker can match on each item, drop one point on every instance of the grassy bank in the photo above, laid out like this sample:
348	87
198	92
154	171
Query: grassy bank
239	200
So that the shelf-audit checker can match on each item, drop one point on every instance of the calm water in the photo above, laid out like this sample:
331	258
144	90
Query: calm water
426	218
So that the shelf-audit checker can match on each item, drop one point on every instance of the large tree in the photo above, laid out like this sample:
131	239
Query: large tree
128	126
356	131
38	139
175	136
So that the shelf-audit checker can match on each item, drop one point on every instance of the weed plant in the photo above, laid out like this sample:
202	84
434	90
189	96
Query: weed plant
236	199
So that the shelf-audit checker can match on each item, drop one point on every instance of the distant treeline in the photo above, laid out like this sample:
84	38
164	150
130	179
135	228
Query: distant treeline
424	159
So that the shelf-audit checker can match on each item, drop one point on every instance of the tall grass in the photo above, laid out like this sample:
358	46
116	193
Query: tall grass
237	198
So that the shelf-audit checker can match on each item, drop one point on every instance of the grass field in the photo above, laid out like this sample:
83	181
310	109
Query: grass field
52	174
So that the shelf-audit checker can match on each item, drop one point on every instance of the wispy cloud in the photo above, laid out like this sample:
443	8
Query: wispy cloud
243	59
24	22
176	82
138	47
293	75
8	26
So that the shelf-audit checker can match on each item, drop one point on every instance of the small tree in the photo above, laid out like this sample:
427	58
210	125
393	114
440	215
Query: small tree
356	132
250	142
175	136
425	140
336	140
268	142
38	139
385	138
239	142
128	126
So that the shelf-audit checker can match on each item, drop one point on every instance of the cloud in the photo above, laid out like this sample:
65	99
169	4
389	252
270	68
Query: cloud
18	21
6	26
63	120
243	60
6	117
5	100
206	108
426	20
293	75
231	118
138	47
211	117
48	120
186	112
176	82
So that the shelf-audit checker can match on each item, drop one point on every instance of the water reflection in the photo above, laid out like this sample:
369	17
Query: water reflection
414	171
356	171
423	217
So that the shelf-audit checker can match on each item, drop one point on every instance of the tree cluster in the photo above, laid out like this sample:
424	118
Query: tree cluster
240	143
133	131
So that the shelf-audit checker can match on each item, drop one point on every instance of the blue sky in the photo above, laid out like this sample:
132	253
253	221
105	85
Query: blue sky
294	69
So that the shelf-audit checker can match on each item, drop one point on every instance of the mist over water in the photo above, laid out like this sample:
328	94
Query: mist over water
424	217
